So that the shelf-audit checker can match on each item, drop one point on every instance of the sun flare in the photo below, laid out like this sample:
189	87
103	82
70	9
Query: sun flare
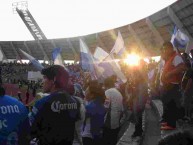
132	59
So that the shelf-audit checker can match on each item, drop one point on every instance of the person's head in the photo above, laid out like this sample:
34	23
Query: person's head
167	49
55	78
2	91
96	91
109	82
178	138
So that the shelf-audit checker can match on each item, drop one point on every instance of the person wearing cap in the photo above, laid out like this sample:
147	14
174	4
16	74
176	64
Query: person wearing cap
171	77
14	121
53	117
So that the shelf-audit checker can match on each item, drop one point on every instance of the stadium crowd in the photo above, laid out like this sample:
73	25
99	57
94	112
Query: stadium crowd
78	110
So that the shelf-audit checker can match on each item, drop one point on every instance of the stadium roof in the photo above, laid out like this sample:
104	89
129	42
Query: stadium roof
145	34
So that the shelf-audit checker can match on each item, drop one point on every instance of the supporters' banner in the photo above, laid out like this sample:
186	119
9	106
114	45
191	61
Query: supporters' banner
119	47
35	62
87	60
34	76
179	39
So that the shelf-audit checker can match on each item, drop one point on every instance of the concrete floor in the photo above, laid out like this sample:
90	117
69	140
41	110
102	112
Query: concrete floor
152	133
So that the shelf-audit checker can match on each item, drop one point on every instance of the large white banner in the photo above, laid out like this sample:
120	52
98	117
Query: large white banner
34	76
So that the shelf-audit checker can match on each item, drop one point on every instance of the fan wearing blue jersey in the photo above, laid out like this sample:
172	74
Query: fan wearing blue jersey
14	122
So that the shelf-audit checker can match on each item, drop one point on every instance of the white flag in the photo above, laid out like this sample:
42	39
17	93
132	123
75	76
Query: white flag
35	62
119	47
100	54
116	68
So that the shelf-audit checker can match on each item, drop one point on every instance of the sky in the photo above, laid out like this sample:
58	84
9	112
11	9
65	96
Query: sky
71	18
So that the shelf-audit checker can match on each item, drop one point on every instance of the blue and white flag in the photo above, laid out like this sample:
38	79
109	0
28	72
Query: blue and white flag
104	66
100	54
119	47
179	39
87	60
107	69
35	62
57	58
116	68
109	65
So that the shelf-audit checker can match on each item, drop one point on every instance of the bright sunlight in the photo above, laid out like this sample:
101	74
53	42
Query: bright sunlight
132	59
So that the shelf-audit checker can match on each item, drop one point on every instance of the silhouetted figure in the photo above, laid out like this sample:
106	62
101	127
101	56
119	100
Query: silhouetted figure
27	96
19	96
34	91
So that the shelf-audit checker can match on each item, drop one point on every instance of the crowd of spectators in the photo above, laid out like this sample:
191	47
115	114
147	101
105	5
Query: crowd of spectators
100	107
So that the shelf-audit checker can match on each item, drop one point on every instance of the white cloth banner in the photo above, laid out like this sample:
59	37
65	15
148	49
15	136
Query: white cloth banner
34	76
